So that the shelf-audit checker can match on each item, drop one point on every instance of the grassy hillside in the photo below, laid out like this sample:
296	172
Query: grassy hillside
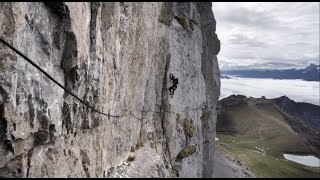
261	124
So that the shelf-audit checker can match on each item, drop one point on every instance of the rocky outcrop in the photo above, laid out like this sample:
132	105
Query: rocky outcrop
117	57
309	112
231	101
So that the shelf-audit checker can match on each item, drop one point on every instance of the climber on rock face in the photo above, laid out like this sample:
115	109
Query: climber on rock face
174	86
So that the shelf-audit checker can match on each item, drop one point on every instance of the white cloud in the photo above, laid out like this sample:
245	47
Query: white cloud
297	90
252	32
246	41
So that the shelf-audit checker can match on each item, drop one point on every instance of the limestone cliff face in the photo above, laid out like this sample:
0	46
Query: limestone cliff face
117	57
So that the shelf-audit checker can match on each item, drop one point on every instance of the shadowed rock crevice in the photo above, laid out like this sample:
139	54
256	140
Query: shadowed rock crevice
5	141
67	122
93	26
69	59
29	156
85	163
166	15
211	47
58	8
165	105
13	168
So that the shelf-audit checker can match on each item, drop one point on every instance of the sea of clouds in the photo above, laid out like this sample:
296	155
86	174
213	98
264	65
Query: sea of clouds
297	90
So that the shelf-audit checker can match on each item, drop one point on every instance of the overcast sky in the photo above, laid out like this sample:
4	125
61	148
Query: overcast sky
271	35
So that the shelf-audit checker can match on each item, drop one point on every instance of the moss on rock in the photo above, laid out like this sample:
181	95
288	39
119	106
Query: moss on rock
185	152
205	116
189	128
139	144
175	172
177	117
184	21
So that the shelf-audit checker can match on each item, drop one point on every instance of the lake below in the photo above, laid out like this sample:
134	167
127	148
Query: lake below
308	160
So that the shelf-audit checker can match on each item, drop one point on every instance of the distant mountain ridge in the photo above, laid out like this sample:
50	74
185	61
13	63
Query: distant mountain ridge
306	111
310	73
225	76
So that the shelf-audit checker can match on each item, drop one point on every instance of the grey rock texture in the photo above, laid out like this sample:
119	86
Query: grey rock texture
117	57
146	164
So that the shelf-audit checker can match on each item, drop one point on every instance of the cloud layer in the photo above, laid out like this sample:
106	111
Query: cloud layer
297	90
274	35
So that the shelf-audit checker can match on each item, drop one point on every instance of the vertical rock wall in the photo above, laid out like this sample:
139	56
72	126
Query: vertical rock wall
117	57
